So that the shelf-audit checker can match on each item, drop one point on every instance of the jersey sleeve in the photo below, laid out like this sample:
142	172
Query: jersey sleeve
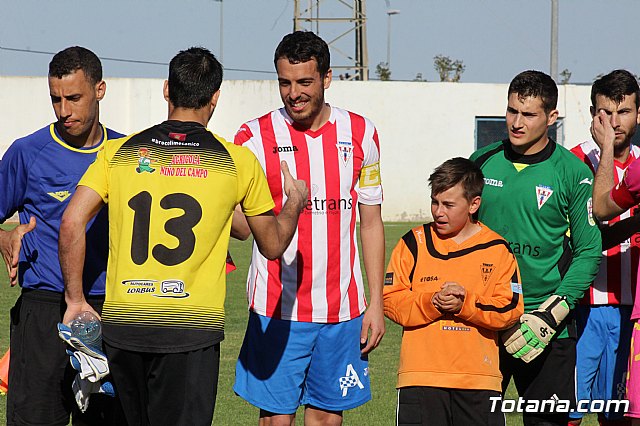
579	152
627	193
478	153
504	306
369	182
402	305
480	156
474	156
253	189
96	176
242	135
13	175
585	239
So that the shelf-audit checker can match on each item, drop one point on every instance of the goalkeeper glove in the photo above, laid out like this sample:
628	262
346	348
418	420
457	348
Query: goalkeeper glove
528	339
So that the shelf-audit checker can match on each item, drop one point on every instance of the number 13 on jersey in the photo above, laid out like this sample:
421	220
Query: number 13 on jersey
180	227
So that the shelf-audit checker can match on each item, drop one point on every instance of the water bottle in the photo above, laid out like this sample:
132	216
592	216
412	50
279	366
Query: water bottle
88	329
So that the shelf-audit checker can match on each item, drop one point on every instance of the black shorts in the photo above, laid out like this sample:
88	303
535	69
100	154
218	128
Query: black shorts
431	406
551	376
40	374
166	388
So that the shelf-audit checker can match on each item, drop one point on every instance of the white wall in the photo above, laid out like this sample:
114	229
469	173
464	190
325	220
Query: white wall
420	124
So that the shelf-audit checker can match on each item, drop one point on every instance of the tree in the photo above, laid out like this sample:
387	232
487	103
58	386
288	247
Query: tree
419	77
383	72
448	69
565	76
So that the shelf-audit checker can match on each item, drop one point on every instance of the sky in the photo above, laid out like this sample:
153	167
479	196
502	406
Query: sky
495	39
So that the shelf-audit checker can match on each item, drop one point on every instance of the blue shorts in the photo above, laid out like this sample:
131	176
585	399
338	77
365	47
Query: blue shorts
602	354
284	364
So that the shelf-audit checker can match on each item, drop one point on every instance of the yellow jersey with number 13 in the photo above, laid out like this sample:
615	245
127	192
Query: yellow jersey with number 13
171	191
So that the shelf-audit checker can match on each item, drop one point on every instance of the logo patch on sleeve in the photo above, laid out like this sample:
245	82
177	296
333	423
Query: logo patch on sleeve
516	288
388	278
590	218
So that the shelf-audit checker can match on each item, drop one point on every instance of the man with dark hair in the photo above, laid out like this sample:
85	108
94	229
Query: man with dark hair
535	84
39	173
301	46
194	77
604	317
616	85
163	316
452	283
611	200
535	192
308	333
75	58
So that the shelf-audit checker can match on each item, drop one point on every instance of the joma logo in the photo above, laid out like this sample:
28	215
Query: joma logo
277	149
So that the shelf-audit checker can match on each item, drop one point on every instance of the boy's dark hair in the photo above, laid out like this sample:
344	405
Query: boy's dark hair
302	46
194	76
535	84
454	171
615	86
76	58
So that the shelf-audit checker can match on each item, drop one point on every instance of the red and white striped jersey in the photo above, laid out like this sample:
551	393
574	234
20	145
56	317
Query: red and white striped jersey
318	278
615	283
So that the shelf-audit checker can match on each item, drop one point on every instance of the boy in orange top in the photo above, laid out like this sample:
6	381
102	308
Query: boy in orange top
452	285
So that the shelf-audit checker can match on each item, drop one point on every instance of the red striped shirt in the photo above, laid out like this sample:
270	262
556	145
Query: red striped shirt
318	279
616	280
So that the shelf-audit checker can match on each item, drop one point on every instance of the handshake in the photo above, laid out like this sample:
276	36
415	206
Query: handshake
528	339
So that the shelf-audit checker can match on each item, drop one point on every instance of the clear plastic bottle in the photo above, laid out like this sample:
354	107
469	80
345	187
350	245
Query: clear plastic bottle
88	329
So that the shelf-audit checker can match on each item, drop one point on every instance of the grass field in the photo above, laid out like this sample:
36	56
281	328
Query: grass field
232	410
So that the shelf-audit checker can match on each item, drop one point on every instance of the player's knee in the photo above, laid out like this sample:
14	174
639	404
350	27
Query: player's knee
272	419
317	417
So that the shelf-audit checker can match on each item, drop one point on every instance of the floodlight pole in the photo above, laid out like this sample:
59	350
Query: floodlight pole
220	55
356	23
554	40
389	14
221	32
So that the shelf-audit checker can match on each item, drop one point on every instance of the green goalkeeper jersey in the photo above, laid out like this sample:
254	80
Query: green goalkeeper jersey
541	204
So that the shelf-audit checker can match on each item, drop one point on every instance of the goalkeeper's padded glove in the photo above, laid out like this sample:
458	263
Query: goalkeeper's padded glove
92	367
528	339
88	367
64	332
82	390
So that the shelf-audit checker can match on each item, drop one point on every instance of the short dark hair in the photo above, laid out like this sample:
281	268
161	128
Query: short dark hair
615	86
303	46
75	58
535	84
454	171
194	76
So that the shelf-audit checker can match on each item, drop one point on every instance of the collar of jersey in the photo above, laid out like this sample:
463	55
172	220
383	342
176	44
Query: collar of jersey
629	160
313	133
536	158
54	135
593	149
184	125
468	246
